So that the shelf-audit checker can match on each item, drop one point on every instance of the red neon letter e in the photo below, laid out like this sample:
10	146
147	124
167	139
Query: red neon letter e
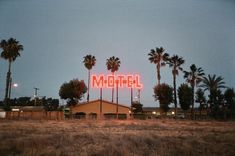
129	81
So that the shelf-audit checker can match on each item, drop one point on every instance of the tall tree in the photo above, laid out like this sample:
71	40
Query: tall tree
163	93
113	64
175	62
229	97
137	107
23	101
201	99
73	91
212	84
218	109
159	58
185	97
89	61
193	77
11	50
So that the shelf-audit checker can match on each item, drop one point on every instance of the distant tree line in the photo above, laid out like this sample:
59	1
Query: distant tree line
49	104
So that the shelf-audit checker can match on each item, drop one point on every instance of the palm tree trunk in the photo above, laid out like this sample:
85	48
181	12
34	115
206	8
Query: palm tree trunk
200	110
158	73
131	95
10	84
131	101
175	100
192	110
101	100
113	89
117	99
207	111
7	82
88	92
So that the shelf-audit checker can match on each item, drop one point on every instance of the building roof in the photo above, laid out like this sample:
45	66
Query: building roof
97	100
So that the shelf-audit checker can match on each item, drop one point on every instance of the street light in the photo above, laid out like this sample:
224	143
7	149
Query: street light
15	85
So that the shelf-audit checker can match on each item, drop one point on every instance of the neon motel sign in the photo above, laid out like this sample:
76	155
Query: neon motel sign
111	81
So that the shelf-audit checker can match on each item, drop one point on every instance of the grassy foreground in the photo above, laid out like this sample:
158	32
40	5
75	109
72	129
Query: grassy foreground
117	138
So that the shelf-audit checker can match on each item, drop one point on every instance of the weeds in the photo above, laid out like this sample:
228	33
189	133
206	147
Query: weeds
116	138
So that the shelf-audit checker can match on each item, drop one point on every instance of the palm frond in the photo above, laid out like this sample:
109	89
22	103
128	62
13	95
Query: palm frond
113	64
89	61
11	49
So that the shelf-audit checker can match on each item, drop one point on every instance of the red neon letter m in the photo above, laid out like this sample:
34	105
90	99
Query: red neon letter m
97	81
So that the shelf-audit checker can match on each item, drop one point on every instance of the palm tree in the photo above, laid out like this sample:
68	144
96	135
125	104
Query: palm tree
193	77
175	63
212	84
113	64
89	61
159	58
11	50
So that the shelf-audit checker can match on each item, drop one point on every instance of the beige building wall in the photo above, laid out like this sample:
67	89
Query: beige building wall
100	109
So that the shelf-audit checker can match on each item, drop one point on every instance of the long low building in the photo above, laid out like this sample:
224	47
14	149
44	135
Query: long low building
153	112
100	109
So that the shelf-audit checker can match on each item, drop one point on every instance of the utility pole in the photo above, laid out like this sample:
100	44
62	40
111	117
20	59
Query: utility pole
35	95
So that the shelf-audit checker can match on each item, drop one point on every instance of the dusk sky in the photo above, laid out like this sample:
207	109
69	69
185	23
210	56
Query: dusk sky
57	34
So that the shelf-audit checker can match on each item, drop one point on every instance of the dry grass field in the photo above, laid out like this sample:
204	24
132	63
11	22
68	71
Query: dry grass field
116	137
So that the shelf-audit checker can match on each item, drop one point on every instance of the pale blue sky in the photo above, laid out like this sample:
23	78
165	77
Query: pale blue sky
56	34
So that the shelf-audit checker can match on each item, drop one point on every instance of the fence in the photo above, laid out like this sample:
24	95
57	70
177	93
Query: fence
38	115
